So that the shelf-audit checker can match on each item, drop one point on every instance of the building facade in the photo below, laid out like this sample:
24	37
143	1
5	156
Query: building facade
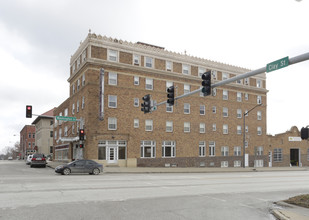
44	132
288	149
27	141
109	77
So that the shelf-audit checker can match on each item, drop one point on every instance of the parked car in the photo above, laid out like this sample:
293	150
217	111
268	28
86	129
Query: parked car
28	161
38	160
10	158
80	166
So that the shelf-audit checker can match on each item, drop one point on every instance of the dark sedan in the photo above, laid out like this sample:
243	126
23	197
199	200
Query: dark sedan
80	166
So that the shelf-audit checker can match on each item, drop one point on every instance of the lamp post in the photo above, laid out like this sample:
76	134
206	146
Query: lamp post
244	134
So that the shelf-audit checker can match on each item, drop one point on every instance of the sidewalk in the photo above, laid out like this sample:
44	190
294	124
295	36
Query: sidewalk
116	169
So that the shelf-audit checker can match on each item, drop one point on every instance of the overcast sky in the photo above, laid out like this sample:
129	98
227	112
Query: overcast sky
37	39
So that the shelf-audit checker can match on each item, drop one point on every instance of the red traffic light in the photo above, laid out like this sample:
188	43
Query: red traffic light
81	134
28	111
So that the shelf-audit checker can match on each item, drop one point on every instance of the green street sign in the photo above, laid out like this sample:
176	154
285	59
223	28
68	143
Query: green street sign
278	64
64	118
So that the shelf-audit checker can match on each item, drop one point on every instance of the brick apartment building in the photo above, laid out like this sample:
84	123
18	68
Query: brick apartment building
109	77
27	140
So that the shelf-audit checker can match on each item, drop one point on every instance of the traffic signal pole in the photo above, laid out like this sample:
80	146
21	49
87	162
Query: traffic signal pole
293	60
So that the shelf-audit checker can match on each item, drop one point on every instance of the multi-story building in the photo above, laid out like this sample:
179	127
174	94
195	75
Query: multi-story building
44	132
109	77
27	140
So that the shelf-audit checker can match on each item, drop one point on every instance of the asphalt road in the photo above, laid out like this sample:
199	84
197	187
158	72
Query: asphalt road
40	193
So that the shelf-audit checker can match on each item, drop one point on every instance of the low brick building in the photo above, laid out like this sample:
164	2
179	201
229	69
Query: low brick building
109	77
27	141
287	149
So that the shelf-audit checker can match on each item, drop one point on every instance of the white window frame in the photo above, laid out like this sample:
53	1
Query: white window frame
202	128
259	83
237	151
136	80
214	109
112	78
202	109
169	66
224	151
214	74
83	79
202	148
185	69
186	88
112	101
112	123
136	102
112	55
136	123
201	71
150	146
237	163
225	129
149	84
225	76
136	60
73	108
149	62
259	115
214	127
148	125
212	148
259	99
225	112
239	97
239	113
172	146
169	126
259	130
186	127
186	108
225	94
169	108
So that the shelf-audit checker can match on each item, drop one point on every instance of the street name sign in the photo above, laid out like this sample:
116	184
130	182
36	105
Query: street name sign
64	118
278	64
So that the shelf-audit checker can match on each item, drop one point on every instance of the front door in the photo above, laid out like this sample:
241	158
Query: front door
112	156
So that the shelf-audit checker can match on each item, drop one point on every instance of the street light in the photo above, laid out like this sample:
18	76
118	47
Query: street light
244	133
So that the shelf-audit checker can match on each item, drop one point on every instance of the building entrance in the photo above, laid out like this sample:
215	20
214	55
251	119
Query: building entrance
294	157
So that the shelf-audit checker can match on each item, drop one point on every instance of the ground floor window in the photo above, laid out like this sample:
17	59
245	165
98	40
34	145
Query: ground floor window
212	146
202	149
224	164
168	149
148	149
112	150
237	163
61	154
258	163
277	154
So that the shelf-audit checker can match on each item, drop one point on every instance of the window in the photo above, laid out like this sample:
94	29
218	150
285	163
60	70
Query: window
224	151
239	99
112	101
73	88
112	78
168	84
246	96
224	164
104	146
202	149
66	112
83	102
51	134
83	80
259	83
168	149
237	151
202	128
238	129
148	149
136	60
225	129
247	129
202	109
259	115
148	62
77	106
225	76
214	109
136	123
186	108
214	74
259	130
237	163
73	108
225	112
84	56
225	95
78	84
259	151
308	154
247	81
214	91
149	84
201	71
169	108
148	125
66	131
185	69
113	55
169	126
277	154
186	88
212	147
169	66
136	80
259	99
73	128
214	127
186	126
112	123
239	113
239	81
136	102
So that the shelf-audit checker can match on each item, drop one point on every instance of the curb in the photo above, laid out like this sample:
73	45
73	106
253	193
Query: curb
279	215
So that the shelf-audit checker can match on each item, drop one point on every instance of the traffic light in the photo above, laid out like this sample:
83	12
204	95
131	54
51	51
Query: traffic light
304	133
206	83
171	95
146	105
81	145
81	134
28	111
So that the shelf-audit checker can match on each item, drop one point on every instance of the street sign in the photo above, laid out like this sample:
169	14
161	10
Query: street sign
64	118
278	64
